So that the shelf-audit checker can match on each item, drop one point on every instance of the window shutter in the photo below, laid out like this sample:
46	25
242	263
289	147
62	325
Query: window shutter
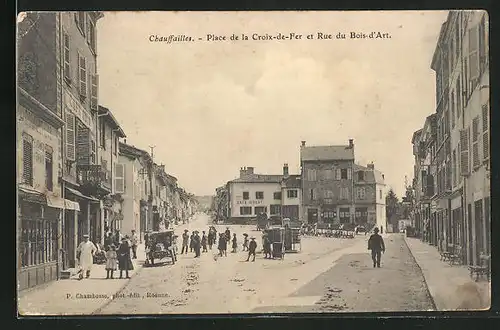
94	80
67	57
119	178
70	136
475	154
83	151
27	159
486	137
82	69
349	174
337	174
464	152
473	55
475	129
92	154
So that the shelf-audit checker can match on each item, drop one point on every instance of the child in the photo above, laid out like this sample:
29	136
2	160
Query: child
235	243
245	242
111	261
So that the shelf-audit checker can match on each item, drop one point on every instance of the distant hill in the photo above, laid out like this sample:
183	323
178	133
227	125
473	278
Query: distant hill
204	201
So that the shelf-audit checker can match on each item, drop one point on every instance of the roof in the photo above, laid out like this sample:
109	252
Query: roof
106	113
258	178
316	153
371	175
415	136
129	150
292	181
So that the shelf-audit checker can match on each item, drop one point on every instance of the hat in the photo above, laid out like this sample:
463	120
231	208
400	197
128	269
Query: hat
375	229
245	234
252	237
185	230
86	236
124	238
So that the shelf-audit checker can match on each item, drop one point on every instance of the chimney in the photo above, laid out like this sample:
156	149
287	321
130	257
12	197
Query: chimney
243	172
285	169
351	143
371	166
303	143
249	170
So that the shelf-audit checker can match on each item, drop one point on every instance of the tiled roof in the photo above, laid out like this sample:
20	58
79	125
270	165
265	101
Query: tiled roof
293	181
250	178
326	153
370	176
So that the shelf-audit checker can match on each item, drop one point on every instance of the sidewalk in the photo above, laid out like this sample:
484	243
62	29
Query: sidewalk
75	297
451	287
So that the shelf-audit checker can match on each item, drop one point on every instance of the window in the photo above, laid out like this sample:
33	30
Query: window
259	195
275	209
328	194
27	159
486	137
292	193
245	210
328	174
311	194
92	152
80	21
102	134
91	37
38	241
82	75
67	58
116	146
49	169
361	176
465	83
246	195
94	90
361	215
344	215
361	193
475	144
277	195
344	193
482	44
70	136
311	175
119	178
380	194
343	174
260	209
473	57
464	152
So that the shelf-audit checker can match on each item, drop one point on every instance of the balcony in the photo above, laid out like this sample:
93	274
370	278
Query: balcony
95	179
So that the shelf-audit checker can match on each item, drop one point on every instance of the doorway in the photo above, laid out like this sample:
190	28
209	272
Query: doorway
68	241
312	216
469	234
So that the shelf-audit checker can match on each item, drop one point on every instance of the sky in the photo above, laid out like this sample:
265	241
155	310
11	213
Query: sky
209	108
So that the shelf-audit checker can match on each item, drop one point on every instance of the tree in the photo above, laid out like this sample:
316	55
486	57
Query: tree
392	207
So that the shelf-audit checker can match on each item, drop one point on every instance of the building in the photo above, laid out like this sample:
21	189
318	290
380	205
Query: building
327	183
58	84
220	203
252	194
460	156
291	195
369	196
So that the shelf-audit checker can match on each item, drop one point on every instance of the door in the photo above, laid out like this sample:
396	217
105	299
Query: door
312	216
69	239
478	221
291	212
469	234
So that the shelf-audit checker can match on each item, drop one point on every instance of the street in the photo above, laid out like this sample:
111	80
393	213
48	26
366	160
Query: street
328	275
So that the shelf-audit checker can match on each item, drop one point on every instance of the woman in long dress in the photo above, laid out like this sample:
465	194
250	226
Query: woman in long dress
124	260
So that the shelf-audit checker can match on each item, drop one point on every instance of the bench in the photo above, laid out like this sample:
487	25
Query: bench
483	269
455	256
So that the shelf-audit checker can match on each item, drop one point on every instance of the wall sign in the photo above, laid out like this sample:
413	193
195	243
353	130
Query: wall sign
250	202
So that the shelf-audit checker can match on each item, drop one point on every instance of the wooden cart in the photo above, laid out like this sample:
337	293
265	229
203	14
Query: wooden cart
276	237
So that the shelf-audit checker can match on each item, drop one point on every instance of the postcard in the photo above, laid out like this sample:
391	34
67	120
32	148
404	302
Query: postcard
252	162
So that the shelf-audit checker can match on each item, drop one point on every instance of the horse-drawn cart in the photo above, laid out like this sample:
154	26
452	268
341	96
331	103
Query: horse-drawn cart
159	246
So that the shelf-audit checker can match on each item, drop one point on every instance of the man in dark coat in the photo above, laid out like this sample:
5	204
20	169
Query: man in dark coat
191	243
204	242
222	245
252	247
228	235
185	241
196	241
267	247
377	246
124	260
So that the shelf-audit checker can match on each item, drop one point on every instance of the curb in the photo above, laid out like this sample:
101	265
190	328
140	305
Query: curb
99	309
423	276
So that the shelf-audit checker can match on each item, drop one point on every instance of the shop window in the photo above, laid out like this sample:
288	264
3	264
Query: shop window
260	209
38	241
275	209
245	210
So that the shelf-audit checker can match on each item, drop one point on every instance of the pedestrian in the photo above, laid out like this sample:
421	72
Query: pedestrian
235	244
222	245
85	252
245	242
377	246
252	248
191	243
108	240
111	261
185	239
227	235
174	244
196	244
124	260
204	242
267	246
211	238
118	237
134	240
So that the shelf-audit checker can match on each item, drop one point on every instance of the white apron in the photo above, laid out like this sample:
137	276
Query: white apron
86	250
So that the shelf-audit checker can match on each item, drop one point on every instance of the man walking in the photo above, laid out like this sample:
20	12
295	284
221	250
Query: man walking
134	241
377	246
185	241
85	252
252	247
196	244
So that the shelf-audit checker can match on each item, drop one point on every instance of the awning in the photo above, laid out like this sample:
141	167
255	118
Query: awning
31	195
55	202
79	194
70	205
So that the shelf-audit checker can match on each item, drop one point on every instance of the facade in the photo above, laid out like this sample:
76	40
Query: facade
460	206
327	183
220	203
369	196
291	195
57	120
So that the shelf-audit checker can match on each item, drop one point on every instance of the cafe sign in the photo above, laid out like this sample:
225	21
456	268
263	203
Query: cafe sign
250	202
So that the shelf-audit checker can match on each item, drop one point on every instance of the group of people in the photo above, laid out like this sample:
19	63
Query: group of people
117	252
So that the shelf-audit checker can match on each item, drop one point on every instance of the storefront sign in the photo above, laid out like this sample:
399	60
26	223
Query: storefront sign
249	202
74	105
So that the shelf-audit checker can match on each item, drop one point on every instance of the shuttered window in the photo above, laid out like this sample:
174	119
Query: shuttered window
482	44
67	57
27	176
464	152
70	136
92	152
337	174
49	168
486	136
83	152
119	178
473	57
475	142
92	36
94	89
82	75
80	21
